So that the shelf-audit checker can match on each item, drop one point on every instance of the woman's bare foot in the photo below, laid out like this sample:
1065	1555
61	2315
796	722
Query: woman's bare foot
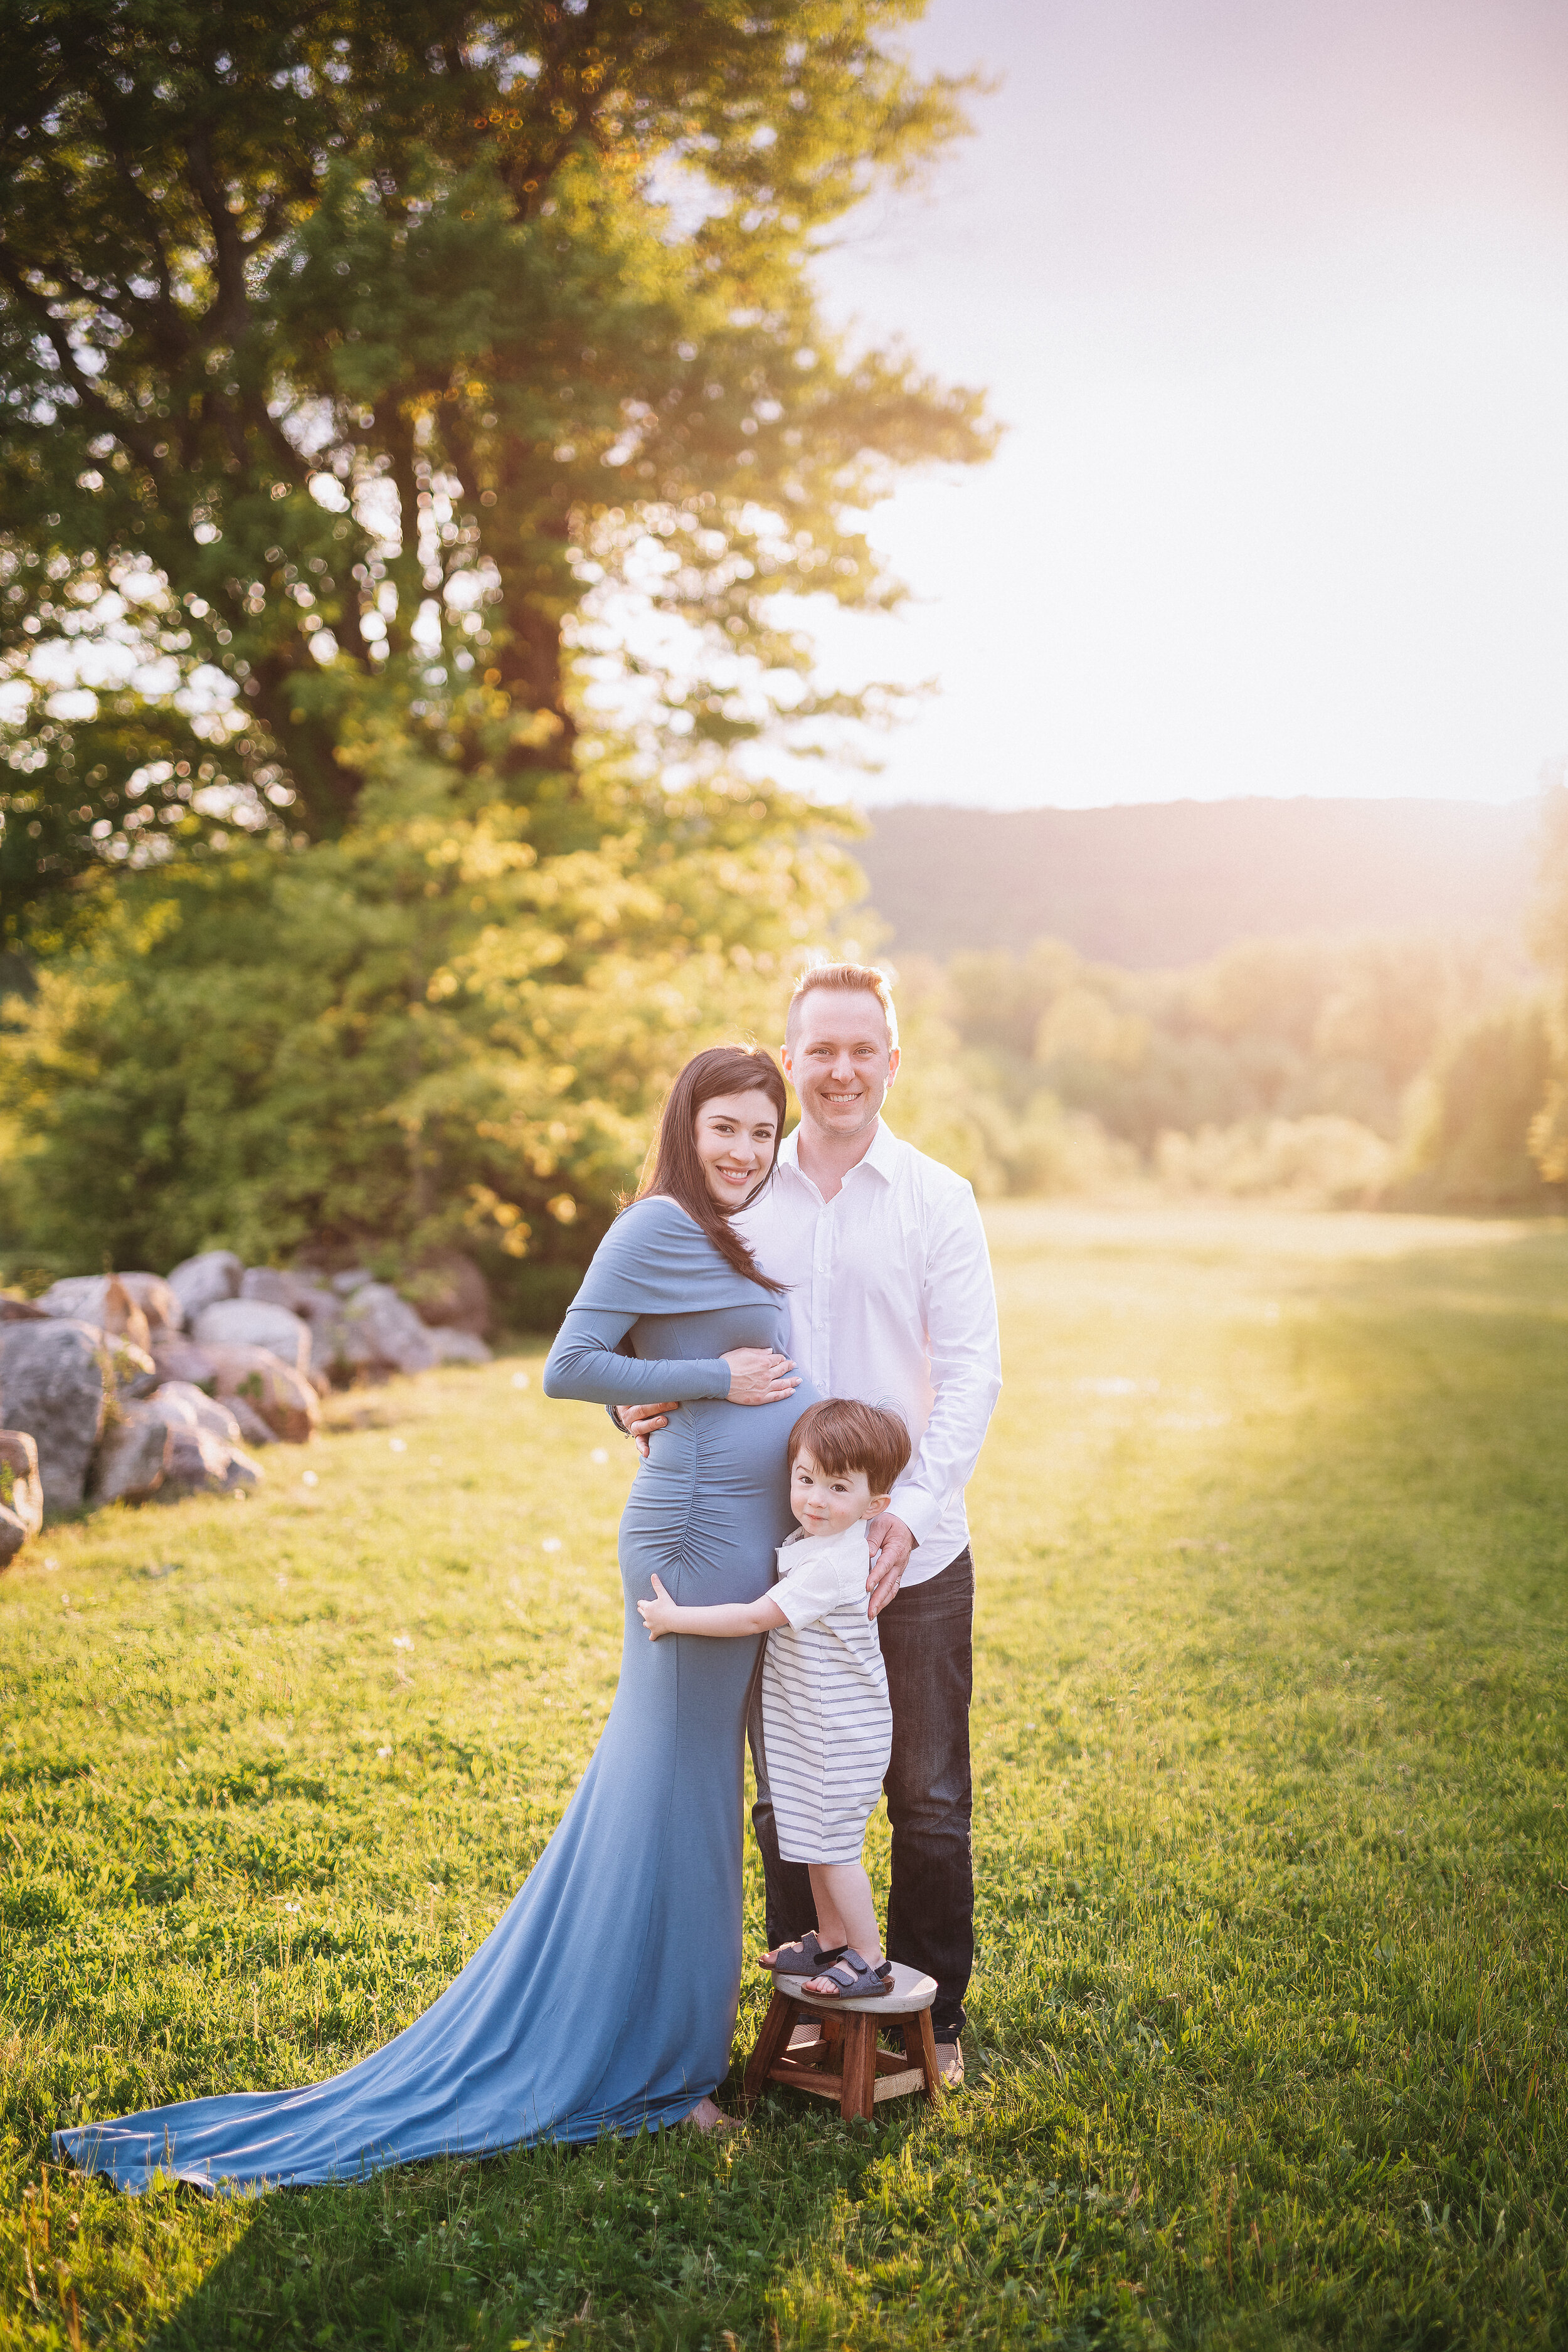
705	2117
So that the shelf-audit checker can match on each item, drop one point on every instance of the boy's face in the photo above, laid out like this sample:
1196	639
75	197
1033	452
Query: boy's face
825	1502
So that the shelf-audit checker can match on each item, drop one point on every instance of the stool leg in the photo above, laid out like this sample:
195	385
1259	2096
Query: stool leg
869	2077
777	2027
860	2093
920	2047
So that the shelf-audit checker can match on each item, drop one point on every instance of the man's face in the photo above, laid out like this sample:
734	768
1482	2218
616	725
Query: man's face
839	1061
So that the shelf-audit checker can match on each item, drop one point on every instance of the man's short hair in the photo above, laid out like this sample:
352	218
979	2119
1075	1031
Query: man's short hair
844	1436
862	977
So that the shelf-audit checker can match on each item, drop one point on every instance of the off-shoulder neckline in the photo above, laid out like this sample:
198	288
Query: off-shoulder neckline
664	1201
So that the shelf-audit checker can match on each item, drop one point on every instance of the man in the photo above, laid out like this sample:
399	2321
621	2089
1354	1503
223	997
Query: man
890	1301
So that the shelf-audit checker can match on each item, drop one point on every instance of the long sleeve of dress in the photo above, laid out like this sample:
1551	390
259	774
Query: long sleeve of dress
585	1363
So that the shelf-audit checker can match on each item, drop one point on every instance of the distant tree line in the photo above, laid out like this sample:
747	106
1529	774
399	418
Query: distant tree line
1412	1072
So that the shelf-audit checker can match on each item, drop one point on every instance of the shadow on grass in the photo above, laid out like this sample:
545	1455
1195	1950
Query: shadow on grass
666	2239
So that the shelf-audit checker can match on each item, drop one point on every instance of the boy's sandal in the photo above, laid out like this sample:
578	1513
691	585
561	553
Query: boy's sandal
803	1957
853	1979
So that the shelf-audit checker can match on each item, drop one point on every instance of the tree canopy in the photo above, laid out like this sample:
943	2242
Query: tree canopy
414	418
425	364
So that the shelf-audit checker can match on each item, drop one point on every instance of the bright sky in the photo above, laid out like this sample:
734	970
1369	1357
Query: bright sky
1273	297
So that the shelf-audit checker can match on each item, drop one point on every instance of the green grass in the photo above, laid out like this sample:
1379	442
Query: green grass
1270	1721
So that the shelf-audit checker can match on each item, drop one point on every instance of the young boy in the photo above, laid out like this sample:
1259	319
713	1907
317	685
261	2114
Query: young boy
827	1724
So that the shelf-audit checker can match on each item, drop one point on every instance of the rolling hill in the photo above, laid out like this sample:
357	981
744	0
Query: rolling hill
1170	883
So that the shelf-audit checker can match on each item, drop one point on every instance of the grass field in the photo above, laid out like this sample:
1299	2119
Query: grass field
1271	1700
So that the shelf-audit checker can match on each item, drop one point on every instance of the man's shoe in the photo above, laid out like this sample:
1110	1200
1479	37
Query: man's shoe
950	2065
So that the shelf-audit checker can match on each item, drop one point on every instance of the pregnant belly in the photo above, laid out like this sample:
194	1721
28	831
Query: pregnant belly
735	1446
713	1496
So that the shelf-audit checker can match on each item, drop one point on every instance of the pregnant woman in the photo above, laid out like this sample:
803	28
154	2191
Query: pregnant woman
605	1998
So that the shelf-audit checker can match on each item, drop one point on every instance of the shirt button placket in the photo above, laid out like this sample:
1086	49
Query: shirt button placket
821	1282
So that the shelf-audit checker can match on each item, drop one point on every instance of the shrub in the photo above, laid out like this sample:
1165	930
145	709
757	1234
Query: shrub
1466	1143
427	1031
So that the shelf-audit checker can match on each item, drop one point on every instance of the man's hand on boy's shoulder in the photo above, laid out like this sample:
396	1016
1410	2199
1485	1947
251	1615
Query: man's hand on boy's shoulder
891	1544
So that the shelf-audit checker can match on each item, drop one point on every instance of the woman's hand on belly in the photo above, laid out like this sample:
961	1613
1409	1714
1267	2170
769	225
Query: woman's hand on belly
760	1376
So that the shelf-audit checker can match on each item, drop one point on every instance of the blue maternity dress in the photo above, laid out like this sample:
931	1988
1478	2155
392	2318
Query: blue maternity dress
605	1998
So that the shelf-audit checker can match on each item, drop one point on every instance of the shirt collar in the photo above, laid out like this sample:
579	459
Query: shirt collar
882	1153
798	1542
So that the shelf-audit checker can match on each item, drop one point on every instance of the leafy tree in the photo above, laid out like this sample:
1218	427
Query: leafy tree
430	353
1469	1142
410	417
420	1034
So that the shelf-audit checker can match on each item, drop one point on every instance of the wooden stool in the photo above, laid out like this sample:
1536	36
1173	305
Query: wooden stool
843	2062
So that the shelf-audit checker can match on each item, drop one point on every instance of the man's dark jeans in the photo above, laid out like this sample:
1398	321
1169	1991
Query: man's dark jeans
928	1650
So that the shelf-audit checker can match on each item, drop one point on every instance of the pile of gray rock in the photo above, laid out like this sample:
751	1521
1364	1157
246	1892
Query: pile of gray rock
21	1492
118	1387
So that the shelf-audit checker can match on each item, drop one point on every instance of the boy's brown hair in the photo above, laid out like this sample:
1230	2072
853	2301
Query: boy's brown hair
846	1436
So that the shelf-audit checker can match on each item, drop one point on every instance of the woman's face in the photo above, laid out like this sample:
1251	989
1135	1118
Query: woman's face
734	1137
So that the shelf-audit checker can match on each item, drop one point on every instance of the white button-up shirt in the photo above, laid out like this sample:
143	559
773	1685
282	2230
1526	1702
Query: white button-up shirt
891	1302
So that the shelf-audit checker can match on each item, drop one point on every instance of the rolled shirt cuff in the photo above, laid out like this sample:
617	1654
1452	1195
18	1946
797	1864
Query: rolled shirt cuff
919	1511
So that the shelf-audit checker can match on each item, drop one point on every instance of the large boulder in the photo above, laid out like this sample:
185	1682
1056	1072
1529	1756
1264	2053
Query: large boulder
101	1299
185	1406
457	1347
53	1379
20	1483
20	1310
254	1323
449	1293
201	1464
180	1441
179	1359
253	1429
275	1286
198	1282
341	1351
338	1354
381	1330
131	1369
21	1493
282	1396
131	1459
159	1301
317	1308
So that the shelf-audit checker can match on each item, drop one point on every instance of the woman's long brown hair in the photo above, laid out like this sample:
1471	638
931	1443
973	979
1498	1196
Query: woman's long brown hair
674	1167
